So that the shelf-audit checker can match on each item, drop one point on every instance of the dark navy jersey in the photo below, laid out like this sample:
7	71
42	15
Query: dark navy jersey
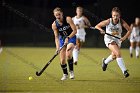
64	29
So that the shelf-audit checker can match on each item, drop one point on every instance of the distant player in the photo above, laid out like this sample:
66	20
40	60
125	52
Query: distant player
0	47
64	31
81	23
114	27
135	37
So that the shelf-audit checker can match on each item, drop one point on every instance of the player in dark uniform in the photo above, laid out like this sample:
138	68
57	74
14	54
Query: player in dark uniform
64	31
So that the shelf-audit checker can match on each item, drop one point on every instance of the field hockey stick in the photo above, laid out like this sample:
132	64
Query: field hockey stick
42	70
105	33
112	35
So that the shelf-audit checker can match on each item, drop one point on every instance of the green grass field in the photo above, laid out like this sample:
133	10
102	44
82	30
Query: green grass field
17	64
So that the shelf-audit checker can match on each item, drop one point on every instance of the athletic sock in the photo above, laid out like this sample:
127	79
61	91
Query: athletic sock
64	68
121	64
131	50
75	54
70	63
137	51
109	59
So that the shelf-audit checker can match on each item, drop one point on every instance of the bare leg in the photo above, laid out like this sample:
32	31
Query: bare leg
76	51
131	48
116	51
137	49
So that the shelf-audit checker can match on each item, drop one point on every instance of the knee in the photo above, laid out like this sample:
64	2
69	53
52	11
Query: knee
68	57
76	47
118	54
62	61
113	57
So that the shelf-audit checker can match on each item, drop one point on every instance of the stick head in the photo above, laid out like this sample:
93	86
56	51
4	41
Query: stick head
38	74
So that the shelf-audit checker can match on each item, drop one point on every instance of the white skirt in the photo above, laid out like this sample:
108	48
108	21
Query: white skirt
110	39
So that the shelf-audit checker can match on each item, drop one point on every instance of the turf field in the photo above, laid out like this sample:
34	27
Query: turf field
18	63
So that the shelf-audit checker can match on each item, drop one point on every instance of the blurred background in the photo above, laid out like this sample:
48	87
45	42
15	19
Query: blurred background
28	22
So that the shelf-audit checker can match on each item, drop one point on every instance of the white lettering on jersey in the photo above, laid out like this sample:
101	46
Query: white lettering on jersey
64	28
114	29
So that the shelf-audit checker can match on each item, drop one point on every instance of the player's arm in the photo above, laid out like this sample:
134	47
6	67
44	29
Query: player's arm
56	34
73	27
126	26
131	27
87	22
102	24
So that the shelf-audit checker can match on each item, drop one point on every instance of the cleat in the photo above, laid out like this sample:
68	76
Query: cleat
75	63
65	76
126	74
131	55
71	75
104	66
137	56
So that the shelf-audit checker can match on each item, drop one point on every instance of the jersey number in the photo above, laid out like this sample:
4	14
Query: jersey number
65	33
78	27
